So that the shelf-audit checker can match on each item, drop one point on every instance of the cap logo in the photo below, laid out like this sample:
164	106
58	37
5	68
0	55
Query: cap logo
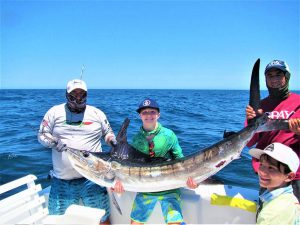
146	103
275	62
270	148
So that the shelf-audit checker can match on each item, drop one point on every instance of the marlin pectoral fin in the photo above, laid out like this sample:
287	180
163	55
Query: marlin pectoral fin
122	134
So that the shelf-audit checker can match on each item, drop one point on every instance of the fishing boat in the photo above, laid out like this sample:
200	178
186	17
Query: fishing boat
210	203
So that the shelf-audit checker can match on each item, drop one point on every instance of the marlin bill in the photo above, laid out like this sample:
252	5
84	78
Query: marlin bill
140	173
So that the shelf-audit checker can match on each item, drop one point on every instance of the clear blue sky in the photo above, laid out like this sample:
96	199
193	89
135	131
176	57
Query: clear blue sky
146	44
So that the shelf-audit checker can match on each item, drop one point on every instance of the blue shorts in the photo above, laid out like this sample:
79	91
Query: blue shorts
170	205
63	193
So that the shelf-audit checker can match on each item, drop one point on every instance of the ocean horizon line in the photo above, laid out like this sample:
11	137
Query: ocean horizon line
139	89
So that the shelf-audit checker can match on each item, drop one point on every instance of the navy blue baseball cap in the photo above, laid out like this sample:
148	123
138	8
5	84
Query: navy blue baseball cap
148	103
278	64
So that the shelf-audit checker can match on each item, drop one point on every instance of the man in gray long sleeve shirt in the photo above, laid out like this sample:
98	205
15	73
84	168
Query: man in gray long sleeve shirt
80	126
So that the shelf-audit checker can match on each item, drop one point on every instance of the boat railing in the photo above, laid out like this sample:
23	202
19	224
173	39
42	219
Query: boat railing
24	207
28	206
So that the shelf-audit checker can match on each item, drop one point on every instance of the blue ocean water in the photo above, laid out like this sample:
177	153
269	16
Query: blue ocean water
198	117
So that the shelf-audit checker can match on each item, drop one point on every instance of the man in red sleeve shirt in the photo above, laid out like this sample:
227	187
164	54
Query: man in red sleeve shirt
280	104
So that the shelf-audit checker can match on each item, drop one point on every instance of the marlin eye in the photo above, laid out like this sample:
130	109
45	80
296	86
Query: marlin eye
85	153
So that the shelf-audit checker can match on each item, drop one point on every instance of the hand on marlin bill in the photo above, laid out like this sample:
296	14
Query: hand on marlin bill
191	183
250	113
118	187
294	125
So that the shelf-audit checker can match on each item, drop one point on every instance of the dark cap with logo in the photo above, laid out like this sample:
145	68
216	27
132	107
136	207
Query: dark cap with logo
148	103
280	65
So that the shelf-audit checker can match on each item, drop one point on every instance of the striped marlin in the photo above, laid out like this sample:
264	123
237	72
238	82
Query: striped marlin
140	173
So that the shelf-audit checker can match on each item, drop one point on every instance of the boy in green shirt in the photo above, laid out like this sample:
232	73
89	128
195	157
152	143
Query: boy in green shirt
157	141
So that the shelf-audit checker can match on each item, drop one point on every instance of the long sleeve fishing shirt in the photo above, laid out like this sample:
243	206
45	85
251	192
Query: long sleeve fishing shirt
165	142
81	131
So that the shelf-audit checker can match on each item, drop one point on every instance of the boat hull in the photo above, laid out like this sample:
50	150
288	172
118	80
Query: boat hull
208	204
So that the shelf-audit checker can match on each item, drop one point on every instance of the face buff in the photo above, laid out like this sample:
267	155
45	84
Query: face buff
280	93
76	105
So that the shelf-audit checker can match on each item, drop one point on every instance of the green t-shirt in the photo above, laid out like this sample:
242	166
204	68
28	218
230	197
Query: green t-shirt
165	145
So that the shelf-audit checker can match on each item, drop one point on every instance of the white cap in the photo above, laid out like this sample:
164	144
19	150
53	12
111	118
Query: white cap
76	83
279	152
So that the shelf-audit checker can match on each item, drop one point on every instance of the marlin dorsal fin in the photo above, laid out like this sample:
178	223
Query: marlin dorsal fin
122	134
